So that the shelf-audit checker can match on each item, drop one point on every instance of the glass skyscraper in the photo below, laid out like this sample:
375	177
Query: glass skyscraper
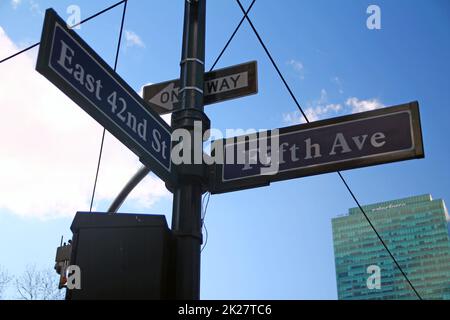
415	229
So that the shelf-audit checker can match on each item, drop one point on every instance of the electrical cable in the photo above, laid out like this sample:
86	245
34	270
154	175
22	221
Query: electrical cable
338	172
204	210
232	35
212	67
104	130
75	25
206	238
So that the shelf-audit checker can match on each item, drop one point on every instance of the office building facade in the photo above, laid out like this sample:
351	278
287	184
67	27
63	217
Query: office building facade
415	229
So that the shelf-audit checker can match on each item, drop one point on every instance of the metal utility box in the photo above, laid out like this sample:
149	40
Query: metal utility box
122	256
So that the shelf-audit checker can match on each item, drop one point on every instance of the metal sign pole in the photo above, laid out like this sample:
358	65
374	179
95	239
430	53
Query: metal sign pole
187	192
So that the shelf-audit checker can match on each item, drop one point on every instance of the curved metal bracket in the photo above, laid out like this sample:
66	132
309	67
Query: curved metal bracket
134	181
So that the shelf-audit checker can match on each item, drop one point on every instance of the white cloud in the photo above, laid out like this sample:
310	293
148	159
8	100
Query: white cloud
316	110
338	82
313	114
49	148
363	105
298	67
35	8
132	39
323	97
321	108
15	3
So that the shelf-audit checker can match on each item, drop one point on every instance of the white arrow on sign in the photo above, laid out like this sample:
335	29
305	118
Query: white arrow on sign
167	97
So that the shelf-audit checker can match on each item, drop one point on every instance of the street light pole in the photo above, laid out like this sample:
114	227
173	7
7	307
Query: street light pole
187	193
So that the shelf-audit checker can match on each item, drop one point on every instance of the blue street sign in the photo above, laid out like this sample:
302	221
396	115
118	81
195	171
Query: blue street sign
71	65
348	142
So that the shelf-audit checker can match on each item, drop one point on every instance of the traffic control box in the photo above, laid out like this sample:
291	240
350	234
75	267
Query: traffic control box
122	256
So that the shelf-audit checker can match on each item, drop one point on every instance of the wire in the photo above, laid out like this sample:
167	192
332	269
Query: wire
206	238
203	200
273	62
75	25
120	33
378	235
98	169
104	130
204	210
338	172
232	36
20	52
206	206
99	13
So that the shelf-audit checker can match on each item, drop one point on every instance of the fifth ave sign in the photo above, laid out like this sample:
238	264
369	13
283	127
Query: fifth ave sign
348	142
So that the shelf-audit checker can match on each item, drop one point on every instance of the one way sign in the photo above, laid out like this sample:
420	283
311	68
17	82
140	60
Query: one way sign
222	84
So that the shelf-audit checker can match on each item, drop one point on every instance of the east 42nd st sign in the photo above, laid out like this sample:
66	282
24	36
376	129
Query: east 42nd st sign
70	64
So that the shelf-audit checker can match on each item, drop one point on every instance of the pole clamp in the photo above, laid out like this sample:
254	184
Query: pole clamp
190	88
192	60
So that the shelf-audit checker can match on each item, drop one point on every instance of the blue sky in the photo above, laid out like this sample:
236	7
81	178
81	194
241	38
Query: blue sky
267	243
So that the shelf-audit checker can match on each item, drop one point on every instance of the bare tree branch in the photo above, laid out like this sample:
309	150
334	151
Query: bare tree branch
36	284
5	278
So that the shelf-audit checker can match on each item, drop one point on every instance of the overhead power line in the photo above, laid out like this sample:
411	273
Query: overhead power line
208	195
339	173
232	36
204	211
20	52
104	130
75	25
